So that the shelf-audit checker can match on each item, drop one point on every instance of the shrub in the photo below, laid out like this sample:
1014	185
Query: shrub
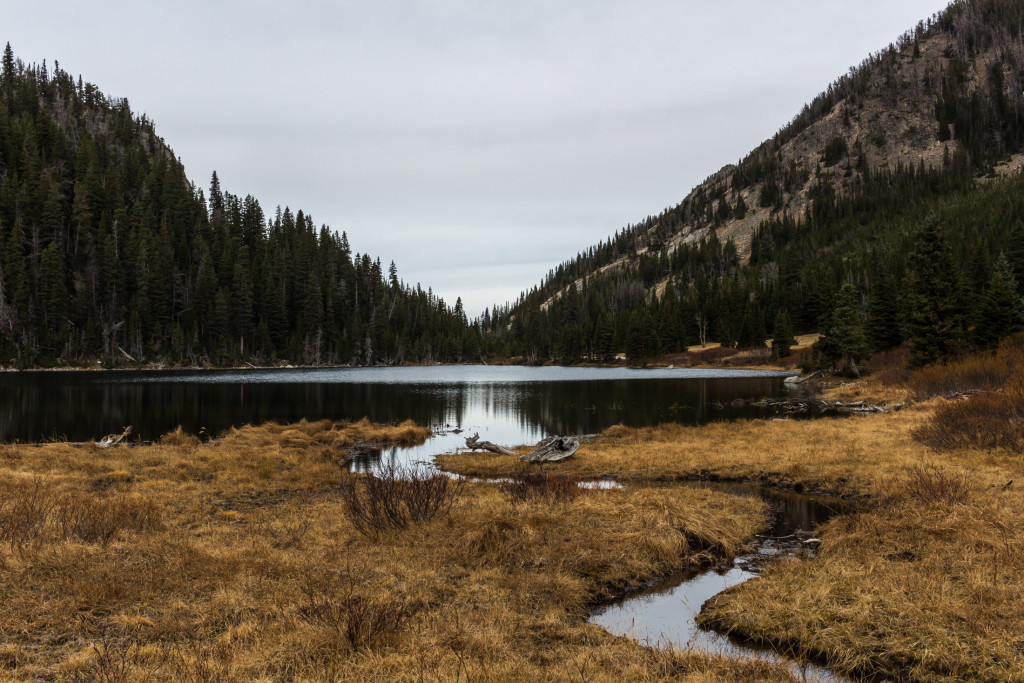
361	622
25	511
526	485
937	486
988	406
397	496
33	512
97	520
983	372
981	421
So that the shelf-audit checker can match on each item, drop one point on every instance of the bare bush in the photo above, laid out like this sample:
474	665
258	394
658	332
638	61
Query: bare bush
937	486
97	520
980	373
361	622
25	511
33	512
981	421
397	496
526	485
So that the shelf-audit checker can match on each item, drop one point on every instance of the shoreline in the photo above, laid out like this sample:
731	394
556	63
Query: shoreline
153	367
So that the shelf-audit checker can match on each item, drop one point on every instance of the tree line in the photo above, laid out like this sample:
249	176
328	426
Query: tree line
110	254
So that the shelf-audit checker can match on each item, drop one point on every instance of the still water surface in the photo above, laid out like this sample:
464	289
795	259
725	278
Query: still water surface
512	405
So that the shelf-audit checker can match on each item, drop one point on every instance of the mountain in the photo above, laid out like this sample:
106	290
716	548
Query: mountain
109	254
924	129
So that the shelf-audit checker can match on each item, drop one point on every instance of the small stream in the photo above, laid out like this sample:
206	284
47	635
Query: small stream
665	614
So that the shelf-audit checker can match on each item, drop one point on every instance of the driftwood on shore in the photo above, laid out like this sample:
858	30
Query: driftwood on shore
115	439
553	449
474	443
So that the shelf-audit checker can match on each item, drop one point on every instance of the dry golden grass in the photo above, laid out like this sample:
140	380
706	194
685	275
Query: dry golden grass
249	570
917	590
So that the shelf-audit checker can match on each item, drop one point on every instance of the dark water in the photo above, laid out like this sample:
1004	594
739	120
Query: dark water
665	615
506	404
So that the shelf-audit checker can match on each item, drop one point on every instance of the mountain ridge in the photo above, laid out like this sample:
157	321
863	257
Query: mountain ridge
935	110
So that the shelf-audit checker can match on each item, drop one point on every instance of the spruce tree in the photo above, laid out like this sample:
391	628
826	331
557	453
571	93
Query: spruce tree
844	338
1002	309
782	335
883	322
932	307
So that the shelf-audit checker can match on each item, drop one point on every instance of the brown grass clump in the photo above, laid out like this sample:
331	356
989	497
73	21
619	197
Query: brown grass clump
178	437
243	565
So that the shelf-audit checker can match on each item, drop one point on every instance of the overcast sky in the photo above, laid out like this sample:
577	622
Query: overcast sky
476	143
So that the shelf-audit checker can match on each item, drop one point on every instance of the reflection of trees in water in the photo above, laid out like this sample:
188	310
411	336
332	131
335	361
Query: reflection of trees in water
34	406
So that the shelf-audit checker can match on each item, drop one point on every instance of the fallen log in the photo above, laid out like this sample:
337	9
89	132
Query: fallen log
553	449
475	444
114	439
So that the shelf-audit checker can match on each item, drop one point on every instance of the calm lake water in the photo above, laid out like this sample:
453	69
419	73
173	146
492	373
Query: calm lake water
512	405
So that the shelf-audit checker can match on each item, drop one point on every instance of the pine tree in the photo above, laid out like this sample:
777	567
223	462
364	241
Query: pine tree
883	322
1002	308
844	338
53	293
932	307
782	335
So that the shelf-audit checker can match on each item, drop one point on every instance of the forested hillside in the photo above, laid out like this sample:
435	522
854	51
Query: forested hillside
111	255
920	144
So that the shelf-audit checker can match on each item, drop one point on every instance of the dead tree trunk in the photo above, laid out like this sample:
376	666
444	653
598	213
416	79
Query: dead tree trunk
474	443
554	449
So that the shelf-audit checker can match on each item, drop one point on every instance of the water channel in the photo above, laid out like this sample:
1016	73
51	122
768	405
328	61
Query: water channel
665	615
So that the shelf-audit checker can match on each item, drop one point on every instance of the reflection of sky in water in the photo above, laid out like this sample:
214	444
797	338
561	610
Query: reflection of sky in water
492	411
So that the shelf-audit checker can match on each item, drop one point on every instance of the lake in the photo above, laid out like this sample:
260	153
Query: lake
510	405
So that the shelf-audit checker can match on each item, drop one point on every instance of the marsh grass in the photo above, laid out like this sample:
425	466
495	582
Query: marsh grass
250	569
927	590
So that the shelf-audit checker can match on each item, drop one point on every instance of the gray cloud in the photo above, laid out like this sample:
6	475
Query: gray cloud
441	134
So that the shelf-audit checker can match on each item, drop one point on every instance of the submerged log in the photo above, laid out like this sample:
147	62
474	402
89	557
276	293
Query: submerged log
553	449
817	406
474	443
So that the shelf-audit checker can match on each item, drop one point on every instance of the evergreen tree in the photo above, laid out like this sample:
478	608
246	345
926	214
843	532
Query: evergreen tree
932	307
1002	308
883	322
782	335
844	338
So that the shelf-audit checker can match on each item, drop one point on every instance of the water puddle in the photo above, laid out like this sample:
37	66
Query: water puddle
665	615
